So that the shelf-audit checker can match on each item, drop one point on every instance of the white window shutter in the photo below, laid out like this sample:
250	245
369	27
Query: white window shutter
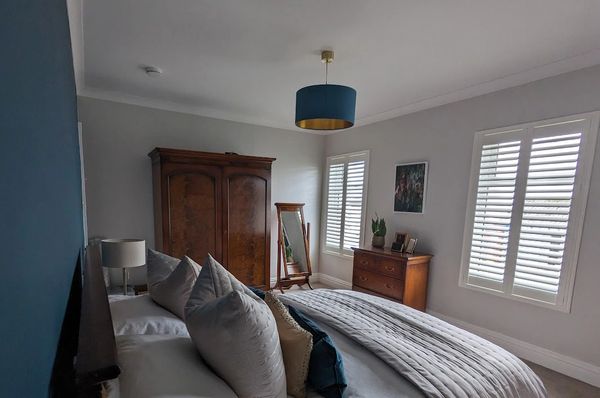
493	212
548	202
353	207
335	201
345	201
529	186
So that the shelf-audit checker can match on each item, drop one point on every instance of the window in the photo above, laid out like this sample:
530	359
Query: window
529	186
345	199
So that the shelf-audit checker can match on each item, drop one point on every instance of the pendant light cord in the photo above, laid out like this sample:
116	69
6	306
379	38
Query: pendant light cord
326	71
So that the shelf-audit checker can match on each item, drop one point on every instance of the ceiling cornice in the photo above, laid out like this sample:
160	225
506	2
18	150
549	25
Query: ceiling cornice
75	10
182	108
565	65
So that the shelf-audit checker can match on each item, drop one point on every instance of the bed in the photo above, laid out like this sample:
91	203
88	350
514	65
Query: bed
158	359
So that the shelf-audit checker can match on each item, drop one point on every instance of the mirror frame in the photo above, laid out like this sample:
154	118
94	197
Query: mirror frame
303	277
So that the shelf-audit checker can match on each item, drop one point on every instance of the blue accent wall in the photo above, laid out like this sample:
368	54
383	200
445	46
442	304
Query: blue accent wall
40	190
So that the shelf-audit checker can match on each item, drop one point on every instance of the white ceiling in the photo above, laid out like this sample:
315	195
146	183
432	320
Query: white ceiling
244	59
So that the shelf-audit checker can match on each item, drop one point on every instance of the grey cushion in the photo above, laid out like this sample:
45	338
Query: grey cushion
159	266
170	285
236	334
296	346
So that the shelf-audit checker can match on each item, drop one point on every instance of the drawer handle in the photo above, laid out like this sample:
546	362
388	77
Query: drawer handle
364	262
388	285
390	268
363	278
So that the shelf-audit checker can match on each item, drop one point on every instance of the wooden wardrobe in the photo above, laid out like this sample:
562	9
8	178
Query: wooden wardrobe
214	203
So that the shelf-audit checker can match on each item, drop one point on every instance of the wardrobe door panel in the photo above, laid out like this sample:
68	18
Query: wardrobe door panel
194	212
246	243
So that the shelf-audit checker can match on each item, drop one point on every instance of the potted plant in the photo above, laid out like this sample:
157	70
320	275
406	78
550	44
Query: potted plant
379	231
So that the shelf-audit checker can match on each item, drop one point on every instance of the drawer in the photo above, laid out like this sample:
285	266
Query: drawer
381	265
385	285
362	290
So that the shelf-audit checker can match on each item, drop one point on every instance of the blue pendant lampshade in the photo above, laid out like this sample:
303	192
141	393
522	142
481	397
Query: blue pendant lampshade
325	106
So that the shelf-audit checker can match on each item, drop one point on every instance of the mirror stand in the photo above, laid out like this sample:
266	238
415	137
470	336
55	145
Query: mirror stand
293	237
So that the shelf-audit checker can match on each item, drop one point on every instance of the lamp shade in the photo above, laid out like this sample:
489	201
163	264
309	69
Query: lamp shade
325	107
123	253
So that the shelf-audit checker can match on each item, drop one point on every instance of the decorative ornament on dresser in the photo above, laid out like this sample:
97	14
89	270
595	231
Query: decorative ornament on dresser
410	188
379	230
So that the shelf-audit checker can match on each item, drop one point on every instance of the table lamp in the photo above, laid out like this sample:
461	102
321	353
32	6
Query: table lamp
123	253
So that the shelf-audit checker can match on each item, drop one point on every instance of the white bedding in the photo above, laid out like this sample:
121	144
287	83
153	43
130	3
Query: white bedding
141	315
164	366
441	359
367	375
152	364
168	365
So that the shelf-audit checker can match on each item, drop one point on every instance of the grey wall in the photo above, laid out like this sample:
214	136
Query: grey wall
117	138
444	137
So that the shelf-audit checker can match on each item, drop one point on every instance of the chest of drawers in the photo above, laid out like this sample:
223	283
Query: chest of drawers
397	276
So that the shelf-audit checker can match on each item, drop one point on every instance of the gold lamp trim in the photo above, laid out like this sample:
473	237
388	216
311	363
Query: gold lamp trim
324	124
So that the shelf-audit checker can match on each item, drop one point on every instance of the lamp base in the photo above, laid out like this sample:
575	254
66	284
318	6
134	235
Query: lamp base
125	281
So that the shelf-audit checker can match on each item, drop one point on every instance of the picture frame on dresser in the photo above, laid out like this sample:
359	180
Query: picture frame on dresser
402	239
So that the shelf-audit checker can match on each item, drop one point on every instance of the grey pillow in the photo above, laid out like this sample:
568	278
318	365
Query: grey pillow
236	334
159	266
171	281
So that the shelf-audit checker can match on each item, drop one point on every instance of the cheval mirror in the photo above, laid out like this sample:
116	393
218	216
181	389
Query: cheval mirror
293	260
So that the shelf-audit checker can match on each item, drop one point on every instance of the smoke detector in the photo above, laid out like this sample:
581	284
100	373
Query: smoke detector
152	71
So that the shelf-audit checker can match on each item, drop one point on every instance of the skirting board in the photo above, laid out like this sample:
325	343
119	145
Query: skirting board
560	363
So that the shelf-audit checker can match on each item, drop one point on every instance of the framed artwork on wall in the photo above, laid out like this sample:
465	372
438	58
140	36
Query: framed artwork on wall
410	187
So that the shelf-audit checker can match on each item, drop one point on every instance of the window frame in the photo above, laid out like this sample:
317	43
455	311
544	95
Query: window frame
576	219
335	159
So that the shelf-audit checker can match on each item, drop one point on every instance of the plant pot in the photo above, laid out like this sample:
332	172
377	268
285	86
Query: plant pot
378	241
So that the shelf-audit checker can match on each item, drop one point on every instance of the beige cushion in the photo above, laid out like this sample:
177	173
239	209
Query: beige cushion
235	333
170	286
296	346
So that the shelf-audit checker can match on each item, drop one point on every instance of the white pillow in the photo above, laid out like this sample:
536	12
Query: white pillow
154	366
170	285
140	315
236	334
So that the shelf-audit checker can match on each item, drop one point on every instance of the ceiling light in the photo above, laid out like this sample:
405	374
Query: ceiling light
325	106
